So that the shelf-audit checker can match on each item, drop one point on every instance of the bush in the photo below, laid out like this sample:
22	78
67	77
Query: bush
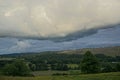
108	68
17	68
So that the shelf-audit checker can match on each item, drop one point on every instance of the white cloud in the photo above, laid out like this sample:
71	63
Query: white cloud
19	46
55	18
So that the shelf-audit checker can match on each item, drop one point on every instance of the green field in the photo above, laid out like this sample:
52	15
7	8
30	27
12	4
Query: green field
48	73
101	76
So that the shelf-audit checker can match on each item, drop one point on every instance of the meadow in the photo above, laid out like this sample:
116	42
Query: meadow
100	76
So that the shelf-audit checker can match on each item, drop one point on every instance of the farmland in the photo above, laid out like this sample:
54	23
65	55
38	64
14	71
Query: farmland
101	76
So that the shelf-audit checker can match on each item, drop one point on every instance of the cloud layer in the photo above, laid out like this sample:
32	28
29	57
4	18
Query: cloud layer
55	18
104	38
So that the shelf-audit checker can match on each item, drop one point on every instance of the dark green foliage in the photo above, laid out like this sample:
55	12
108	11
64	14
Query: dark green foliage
61	67
56	60
4	62
32	66
53	58
9	69
53	66
42	66
17	68
107	68
117	58
60	74
89	63
117	67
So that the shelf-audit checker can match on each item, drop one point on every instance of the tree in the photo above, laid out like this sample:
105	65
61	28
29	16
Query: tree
9	69
17	68
53	67
32	66
118	67
42	66
108	68
61	67
90	63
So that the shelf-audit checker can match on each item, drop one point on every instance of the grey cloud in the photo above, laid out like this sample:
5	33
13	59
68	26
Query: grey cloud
103	38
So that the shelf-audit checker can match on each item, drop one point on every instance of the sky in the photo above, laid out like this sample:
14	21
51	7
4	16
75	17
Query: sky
45	25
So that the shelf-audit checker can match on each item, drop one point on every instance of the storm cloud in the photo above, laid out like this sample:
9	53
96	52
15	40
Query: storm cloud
45	19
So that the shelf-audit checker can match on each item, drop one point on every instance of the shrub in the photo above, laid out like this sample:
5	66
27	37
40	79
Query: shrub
17	68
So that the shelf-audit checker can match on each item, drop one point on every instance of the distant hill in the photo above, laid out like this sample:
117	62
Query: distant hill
106	54
110	51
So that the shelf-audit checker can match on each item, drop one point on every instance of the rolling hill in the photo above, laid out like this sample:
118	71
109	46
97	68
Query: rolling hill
110	51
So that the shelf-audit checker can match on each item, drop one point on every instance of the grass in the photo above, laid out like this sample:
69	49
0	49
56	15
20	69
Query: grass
47	73
101	76
50	73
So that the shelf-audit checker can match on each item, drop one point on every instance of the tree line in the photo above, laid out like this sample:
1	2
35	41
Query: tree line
87	63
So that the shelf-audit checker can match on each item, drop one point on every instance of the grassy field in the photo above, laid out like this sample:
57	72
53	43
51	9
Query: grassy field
47	73
101	76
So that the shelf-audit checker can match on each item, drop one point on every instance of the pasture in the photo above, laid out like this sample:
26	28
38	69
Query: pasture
100	76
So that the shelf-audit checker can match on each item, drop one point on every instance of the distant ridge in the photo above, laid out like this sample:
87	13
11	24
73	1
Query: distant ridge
109	51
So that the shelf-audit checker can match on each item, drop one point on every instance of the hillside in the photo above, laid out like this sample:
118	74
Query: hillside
110	51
